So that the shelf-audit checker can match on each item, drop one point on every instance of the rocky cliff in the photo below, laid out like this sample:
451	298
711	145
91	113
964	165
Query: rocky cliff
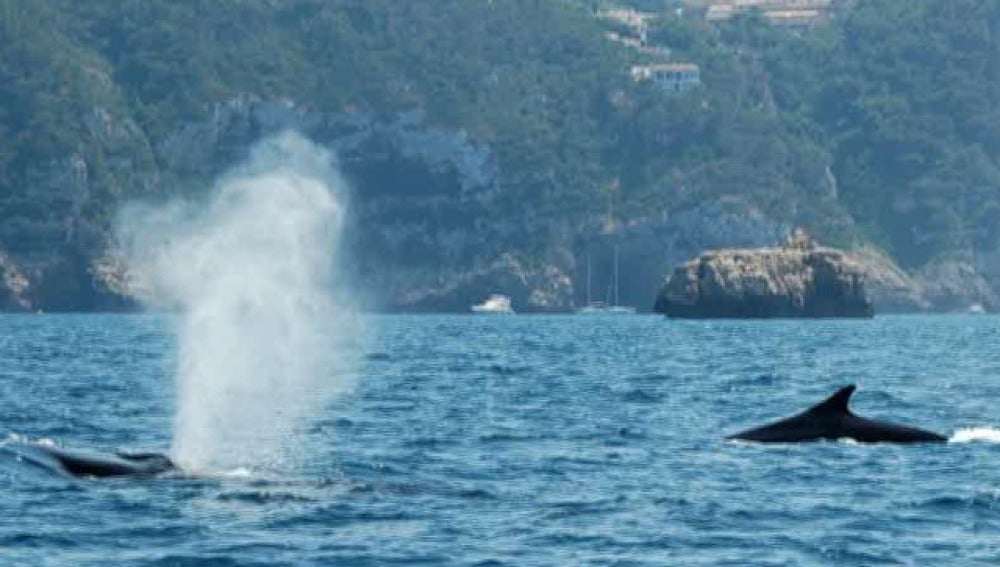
429	230
790	281
488	144
945	285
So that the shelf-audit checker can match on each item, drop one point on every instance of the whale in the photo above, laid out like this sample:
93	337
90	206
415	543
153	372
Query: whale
832	419
84	463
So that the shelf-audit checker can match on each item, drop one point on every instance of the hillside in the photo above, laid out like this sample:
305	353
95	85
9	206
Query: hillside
498	145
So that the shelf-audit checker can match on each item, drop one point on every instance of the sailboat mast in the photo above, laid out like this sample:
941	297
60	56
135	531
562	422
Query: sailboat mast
588	277
617	302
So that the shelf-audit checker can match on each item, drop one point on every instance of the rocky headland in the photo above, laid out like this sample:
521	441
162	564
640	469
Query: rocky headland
63	261
798	279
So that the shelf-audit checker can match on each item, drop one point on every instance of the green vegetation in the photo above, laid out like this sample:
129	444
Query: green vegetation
910	109
883	125
897	98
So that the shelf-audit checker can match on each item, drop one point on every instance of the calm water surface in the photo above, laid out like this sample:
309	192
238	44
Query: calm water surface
527	441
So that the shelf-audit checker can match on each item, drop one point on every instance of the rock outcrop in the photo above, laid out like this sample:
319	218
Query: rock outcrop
14	287
651	244
795	280
954	285
892	289
944	285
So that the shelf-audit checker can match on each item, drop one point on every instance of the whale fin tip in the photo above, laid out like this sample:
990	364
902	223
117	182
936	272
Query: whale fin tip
837	403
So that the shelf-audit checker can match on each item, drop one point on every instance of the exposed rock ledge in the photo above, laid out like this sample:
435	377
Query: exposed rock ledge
14	287
796	280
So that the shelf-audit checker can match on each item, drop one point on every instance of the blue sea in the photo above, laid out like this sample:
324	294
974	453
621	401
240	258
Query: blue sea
527	440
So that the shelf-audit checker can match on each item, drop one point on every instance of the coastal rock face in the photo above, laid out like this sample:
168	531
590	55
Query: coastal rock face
56	221
944	285
428	227
651	244
421	233
14	287
892	290
956	286
541	289
766	282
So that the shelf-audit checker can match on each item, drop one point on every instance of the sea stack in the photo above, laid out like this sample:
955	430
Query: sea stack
797	279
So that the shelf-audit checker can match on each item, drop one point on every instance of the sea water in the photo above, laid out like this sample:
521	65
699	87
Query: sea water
528	440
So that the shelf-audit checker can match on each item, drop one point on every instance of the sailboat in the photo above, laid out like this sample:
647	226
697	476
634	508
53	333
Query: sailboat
610	307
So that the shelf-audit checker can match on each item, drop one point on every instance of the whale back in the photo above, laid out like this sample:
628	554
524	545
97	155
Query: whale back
832	419
83	463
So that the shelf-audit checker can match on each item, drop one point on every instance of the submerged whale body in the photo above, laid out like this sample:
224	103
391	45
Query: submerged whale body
832	419
82	463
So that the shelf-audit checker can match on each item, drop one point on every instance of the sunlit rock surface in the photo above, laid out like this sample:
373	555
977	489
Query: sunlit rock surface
796	280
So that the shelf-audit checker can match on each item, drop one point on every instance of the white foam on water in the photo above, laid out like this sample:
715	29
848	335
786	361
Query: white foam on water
236	473
266	336
968	434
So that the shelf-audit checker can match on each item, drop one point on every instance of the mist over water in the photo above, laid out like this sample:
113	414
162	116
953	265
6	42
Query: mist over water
264	328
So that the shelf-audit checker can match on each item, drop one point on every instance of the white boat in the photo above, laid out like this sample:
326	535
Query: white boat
495	304
605	308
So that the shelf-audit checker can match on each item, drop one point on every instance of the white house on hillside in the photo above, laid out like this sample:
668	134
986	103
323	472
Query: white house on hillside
674	77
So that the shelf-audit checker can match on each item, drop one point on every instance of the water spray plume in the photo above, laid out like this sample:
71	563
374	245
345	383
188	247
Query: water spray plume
262	337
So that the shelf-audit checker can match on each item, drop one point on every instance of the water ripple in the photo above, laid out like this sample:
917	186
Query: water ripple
529	441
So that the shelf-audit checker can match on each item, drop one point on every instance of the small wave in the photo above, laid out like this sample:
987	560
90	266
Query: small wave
965	435
505	370
263	497
508	437
639	396
240	473
476	494
756	379
426	442
961	502
18	438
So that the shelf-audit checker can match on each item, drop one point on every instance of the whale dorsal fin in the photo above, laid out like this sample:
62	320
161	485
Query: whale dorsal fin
835	404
